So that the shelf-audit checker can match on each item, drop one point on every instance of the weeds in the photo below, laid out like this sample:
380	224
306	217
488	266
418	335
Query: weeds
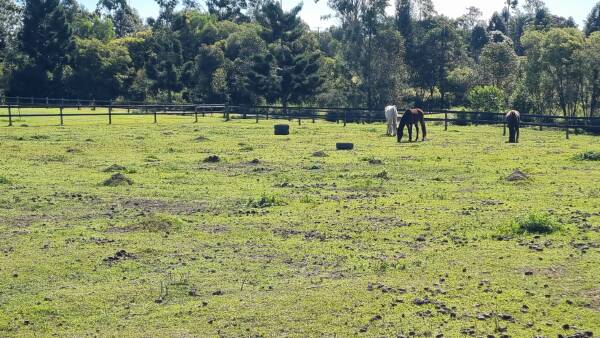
536	224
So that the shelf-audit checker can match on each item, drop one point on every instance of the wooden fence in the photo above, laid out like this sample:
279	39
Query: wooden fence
22	107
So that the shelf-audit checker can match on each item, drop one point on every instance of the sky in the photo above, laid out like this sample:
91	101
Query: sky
312	12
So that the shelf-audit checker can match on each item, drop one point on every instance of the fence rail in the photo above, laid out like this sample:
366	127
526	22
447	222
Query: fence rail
16	105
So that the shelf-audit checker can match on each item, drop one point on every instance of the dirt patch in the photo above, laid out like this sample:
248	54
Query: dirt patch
594	297
119	256
311	235
517	175
117	180
320	154
149	206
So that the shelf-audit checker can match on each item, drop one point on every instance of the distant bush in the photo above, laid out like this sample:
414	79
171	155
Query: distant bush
536	224
486	99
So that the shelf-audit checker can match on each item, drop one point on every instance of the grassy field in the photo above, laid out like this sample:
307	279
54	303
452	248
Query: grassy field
275	240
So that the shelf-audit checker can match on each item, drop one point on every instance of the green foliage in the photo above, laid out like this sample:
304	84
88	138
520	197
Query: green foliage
289	72
536	224
100	70
589	156
487	99
498	65
46	40
265	201
4	180
592	24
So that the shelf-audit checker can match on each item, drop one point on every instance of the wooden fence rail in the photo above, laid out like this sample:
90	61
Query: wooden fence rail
332	114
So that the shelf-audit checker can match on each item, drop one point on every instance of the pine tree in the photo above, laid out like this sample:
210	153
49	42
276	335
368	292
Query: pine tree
47	42
592	23
288	73
497	23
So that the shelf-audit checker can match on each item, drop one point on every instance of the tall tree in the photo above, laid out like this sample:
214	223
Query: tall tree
125	18
10	19
288	73
164	63
592	24
232	10
472	18
46	41
497	23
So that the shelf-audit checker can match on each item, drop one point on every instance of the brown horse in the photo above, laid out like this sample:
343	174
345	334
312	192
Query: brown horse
412	117
513	120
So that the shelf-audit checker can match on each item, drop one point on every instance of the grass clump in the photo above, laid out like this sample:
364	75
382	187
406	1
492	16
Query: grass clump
160	223
265	201
4	180
589	156
536	224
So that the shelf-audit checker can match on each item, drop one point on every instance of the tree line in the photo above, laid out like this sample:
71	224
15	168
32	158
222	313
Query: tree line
252	52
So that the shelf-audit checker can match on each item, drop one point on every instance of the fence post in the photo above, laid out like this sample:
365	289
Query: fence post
445	121
94	104
18	101
196	114
154	111
10	123
47	103
567	132
110	112
78	104
345	117
62	103
256	113
299	117
267	112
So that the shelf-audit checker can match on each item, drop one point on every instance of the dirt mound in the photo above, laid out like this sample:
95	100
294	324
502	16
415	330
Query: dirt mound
201	138
212	159
320	154
114	168
120	255
517	175
117	180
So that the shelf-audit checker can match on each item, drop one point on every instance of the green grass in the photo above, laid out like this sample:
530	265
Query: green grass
271	241
536	224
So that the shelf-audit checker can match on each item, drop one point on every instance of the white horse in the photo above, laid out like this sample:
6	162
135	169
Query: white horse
391	115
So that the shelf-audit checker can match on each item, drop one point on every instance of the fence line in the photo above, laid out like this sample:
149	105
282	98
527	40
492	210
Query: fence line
333	114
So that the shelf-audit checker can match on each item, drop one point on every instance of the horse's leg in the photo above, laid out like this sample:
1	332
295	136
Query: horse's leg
400	132
410	128
417	128
518	133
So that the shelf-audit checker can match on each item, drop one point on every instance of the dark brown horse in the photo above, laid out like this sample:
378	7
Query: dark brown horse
412	117
513	120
